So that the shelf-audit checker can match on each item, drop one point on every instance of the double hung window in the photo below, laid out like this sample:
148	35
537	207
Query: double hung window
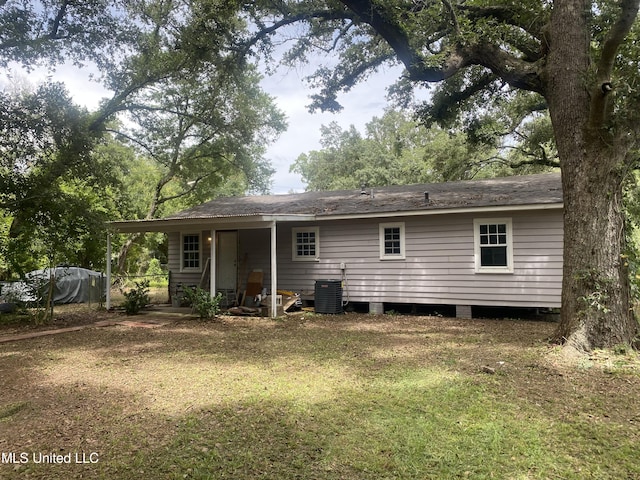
190	252
493	245
392	241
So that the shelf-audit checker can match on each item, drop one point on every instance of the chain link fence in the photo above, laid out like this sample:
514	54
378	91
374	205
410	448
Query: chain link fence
158	287
61	285
43	288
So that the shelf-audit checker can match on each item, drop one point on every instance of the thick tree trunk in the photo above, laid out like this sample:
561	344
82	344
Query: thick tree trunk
595	298
596	309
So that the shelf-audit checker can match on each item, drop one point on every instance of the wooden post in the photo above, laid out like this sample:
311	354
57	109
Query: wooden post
212	264
274	271
108	292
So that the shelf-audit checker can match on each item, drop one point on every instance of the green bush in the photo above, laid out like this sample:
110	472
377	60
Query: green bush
159	277
202	303
137	298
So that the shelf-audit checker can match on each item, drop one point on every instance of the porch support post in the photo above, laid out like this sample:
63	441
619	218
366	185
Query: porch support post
274	271
108	291
212	264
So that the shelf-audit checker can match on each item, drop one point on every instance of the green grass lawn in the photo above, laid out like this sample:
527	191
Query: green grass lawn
314	397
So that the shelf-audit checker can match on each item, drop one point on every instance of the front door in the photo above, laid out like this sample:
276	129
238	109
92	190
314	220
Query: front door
227	261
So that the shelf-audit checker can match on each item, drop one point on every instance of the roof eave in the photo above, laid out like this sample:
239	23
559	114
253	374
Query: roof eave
445	211
179	224
263	221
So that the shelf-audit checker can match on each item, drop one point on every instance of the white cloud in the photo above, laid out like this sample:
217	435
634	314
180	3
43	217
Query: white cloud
290	92
82	88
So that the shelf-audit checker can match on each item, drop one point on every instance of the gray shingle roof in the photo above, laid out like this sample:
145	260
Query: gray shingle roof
523	190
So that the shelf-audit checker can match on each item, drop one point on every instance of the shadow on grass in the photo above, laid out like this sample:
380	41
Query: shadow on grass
418	426
316	399
362	346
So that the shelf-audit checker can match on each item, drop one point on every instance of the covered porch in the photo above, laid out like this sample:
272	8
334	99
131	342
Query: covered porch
216	254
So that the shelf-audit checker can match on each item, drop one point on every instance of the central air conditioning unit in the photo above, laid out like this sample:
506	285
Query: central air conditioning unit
328	296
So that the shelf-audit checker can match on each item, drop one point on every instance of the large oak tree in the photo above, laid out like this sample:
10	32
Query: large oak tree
576	58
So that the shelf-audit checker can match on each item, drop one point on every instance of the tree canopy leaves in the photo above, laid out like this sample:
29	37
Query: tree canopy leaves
42	135
396	149
54	31
193	106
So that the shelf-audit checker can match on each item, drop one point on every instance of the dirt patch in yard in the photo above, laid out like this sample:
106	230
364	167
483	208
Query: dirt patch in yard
65	316
190	394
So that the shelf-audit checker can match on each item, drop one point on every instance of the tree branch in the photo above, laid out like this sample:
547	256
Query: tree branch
398	40
617	34
517	72
543	162
53	34
509	15
326	101
452	13
143	145
442	106
192	186
343	32
290	19
600	95
116	103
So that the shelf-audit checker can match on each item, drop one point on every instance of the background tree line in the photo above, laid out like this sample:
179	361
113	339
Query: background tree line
398	149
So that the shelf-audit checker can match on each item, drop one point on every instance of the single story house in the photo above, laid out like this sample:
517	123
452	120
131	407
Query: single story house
494	242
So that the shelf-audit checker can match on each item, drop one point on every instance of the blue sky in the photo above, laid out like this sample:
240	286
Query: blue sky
360	104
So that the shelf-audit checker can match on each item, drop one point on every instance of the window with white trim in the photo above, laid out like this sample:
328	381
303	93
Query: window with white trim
392	241
306	244
493	245
190	253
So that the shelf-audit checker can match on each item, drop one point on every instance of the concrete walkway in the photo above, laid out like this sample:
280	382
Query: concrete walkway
141	321
148	323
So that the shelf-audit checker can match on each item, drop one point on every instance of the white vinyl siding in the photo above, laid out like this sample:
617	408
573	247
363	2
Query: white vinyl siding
439	265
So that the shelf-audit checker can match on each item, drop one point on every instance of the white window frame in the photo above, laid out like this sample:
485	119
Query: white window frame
479	268
191	234
294	244
382	240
